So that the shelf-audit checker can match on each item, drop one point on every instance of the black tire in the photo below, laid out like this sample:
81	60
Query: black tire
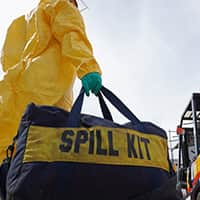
198	196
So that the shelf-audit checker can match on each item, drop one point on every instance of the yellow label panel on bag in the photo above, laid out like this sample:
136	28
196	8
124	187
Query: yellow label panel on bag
98	145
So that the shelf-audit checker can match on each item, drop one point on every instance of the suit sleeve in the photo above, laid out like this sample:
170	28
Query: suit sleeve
69	29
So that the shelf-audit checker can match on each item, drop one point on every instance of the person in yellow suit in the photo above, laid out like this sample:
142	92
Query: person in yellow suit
42	55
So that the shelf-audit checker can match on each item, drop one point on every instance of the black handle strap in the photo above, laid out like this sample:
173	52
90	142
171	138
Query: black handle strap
104	108
121	107
74	117
75	114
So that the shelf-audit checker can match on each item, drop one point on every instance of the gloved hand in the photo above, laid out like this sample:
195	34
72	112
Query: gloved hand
92	81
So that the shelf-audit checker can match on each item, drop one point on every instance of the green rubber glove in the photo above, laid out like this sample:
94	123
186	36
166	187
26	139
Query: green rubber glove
91	81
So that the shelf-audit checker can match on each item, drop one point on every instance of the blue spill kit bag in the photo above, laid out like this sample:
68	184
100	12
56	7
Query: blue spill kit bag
69	155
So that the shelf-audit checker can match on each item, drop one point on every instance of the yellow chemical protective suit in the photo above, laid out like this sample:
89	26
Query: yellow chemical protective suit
42	54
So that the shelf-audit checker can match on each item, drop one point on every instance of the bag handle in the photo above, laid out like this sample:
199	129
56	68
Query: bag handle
121	107
75	114
104	108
